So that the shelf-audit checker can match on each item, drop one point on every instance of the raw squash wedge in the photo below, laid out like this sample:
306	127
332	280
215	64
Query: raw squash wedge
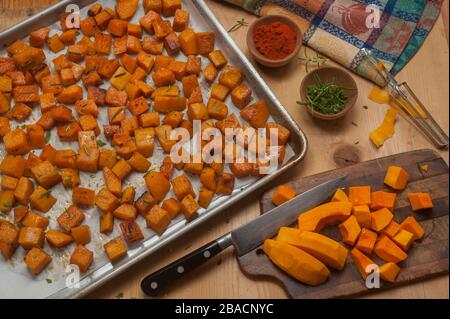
396	177
317	218
350	230
387	250
297	263
362	262
289	235
339	196
389	272
381	219
328	251
410	224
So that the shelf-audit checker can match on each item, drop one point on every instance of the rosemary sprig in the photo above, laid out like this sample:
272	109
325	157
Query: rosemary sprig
120	74
45	194
317	60
101	143
117	114
239	24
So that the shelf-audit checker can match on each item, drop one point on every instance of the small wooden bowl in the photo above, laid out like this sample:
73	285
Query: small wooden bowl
261	58
328	74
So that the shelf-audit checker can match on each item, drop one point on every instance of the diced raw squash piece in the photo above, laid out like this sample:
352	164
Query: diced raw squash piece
42	199
350	230
359	195
296	262
411	225
389	272
36	260
317	218
403	239
387	250
158	219
420	201
115	249
366	241
364	264
381	219
392	229
382	199
283	194
363	215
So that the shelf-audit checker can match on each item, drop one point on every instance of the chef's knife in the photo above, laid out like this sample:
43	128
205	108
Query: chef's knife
245	238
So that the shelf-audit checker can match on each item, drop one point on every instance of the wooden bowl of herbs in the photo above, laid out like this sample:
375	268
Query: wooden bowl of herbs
328	93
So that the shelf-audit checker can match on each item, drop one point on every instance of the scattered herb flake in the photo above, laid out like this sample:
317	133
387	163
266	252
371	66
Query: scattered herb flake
239	24
48	280
101	143
354	124
365	107
119	295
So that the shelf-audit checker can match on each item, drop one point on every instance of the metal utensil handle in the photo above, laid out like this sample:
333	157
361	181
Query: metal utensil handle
154	283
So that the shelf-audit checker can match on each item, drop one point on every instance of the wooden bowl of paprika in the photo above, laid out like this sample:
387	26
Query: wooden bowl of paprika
274	40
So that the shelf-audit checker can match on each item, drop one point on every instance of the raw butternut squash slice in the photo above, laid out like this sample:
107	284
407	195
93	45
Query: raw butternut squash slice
385	130
420	201
410	224
396	177
339	196
297	263
350	230
387	250
381	219
328	251
362	262
317	218
282	194
389	272
289	235
379	95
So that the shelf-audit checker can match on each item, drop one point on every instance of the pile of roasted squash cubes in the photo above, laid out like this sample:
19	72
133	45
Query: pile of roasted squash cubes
143	103
366	224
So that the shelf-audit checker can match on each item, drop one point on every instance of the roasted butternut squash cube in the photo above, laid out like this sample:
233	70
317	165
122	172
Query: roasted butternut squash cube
46	174
103	17
13	166
23	190
36	260
113	183
205	196
158	219
120	78
32	219
125	212
131	231
9	234
89	123
145	141
58	238
81	234
256	114
144	203
198	111
182	187
122	169
4	126
219	92
16	142
42	199
83	196
155	5
162	28
189	82
225	184
157	184
9	183
163	133
139	163
38	37
148	19
173	119
106	223
241	96
82	257
166	104
70	95
134	30
280	133
152	45
217	109
163	77
5	104
103	43
188	42
115	249
180	20
170	7
189	207
231	77
128	195
172	206
218	59
117	27
106	201
71	217
29	57
30	237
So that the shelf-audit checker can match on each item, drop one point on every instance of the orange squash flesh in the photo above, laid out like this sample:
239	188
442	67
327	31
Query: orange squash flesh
396	177
296	262
410	224
362	262
387	250
339	196
359	195
403	239
366	241
317	218
420	201
350	230
363	215
389	272
283	194
381	219
382	199
392	229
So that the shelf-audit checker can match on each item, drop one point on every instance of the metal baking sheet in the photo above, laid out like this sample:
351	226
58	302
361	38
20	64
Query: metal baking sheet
51	283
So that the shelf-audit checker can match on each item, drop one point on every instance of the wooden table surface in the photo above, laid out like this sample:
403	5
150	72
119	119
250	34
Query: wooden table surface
331	145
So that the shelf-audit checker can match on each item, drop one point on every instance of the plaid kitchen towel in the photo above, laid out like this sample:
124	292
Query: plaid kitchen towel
339	29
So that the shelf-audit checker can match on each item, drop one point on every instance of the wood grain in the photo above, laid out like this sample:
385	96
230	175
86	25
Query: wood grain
427	258
427	73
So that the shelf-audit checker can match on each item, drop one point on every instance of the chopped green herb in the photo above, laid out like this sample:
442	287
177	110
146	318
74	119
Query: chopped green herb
239	24
365	107
73	52
48	280
354	124
317	60
117	114
45	194
120	74
119	295
6	204
48	135
101	143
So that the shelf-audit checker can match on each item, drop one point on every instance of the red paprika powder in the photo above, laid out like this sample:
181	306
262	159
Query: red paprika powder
275	40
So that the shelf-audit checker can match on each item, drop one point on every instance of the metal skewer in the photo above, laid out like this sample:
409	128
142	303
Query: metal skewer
414	109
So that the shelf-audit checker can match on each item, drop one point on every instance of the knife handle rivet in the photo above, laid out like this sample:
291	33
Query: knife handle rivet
207	254
154	285
180	269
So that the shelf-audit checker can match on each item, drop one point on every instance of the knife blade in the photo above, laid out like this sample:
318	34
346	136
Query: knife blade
245	238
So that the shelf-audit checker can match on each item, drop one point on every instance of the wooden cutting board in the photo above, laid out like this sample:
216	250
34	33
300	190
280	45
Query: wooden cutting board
427	257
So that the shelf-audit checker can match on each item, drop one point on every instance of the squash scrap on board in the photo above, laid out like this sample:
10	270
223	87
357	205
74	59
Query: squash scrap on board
385	130
283	194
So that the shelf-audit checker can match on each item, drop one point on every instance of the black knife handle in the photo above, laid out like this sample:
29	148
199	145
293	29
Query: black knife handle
154	283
